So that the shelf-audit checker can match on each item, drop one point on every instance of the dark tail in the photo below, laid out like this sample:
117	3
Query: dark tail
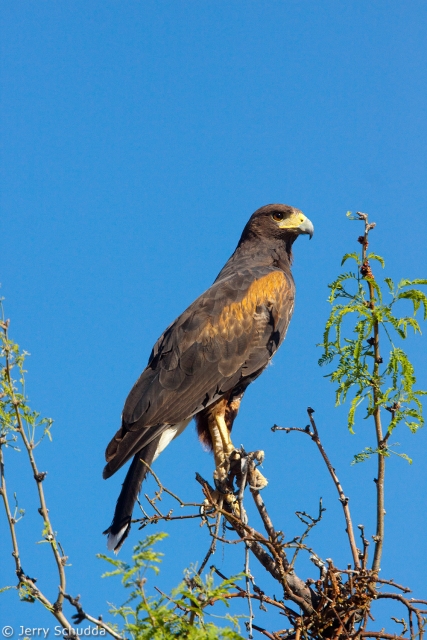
119	529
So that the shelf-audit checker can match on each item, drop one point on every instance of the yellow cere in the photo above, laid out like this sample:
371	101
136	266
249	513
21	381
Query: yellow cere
293	221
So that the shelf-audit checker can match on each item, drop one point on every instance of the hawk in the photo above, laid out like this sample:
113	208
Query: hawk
202	364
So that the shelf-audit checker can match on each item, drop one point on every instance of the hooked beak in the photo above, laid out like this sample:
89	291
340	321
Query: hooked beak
306	227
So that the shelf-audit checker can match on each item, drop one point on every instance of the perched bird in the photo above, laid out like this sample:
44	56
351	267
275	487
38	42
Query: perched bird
202	364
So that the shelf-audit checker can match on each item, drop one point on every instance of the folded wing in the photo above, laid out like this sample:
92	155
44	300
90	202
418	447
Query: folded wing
223	340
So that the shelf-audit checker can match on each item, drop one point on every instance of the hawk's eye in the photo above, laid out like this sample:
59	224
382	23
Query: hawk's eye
278	216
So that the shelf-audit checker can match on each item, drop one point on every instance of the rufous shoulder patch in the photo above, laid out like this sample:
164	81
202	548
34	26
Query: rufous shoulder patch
269	290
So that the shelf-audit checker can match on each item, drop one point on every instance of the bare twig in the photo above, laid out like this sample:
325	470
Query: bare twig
276	564
394	584
365	543
262	510
340	606
154	519
258	595
381	634
212	547
10	519
248	578
32	592
24	580
314	435
267	634
164	489
310	524
56	607
82	615
177	604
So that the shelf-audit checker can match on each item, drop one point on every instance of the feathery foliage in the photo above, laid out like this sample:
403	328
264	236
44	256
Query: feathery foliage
363	316
362	312
13	400
179	615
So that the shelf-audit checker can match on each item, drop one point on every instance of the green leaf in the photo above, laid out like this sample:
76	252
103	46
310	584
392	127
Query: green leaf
404	283
183	613
325	358
410	283
363	455
6	589
389	282
350	216
395	322
404	456
373	256
357	400
412	323
417	297
354	256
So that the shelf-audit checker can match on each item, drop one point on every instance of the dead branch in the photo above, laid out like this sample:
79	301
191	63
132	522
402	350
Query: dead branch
81	615
32	592
344	500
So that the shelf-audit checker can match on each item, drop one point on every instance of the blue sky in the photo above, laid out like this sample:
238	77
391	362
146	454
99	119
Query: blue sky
137	139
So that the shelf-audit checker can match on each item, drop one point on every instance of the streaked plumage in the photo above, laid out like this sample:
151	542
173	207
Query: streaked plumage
210	353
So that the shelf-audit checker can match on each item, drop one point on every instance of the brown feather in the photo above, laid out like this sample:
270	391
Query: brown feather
209	355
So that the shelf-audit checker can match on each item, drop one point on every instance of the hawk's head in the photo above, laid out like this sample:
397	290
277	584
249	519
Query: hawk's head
277	222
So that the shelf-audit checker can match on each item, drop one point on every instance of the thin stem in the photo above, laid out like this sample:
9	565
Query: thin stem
168	491
262	510
10	519
380	634
294	588
248	591
379	536
259	595
23	579
314	435
267	634
39	477
342	497
212	546
96	621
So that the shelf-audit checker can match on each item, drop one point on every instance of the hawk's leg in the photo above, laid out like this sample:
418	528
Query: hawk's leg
221	444
214	427
223	448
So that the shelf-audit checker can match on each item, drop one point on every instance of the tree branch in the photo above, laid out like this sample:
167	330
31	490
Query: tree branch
379	481
314	435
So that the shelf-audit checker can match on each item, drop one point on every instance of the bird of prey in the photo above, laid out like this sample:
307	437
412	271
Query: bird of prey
202	364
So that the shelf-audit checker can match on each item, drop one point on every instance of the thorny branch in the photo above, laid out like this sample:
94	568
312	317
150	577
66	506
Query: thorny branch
338	604
81	615
26	584
39	477
314	435
158	515
334	606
